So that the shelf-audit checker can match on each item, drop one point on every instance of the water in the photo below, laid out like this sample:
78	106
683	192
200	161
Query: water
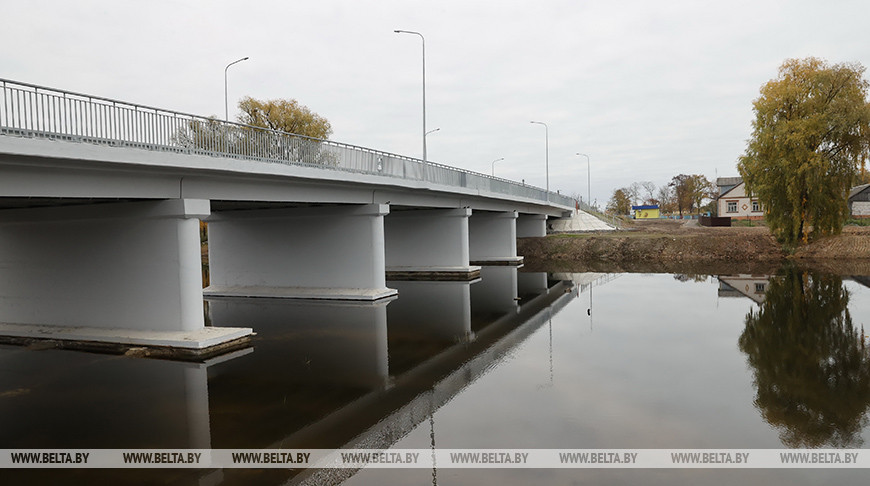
516	360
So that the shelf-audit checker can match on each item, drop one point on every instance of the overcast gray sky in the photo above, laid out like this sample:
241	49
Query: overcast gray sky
649	89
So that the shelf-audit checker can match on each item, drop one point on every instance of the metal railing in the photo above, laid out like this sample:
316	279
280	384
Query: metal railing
609	219
35	111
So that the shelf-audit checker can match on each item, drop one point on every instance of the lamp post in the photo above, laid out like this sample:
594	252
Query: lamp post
588	178
493	165
226	98
424	85
547	141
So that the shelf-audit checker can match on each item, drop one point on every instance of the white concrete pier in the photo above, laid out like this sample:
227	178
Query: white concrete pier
531	225
493	238
428	245
112	272
327	252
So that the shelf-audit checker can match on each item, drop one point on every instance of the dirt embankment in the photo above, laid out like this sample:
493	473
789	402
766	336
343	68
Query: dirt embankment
663	246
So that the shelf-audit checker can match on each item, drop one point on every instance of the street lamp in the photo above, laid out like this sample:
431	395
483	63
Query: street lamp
226	99
547	141
588	185
424	85
493	165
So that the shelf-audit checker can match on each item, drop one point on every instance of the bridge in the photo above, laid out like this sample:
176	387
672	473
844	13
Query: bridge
101	202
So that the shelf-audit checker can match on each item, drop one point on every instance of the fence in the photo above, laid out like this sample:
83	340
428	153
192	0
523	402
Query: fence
35	111
714	221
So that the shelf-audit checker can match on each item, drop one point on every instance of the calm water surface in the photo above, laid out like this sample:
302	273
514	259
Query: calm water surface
516	360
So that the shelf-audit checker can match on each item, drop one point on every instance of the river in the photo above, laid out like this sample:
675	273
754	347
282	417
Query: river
517	360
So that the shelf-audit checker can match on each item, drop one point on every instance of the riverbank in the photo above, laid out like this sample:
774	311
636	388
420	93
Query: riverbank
685	247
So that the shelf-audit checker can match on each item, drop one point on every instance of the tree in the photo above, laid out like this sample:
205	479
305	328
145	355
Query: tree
680	187
811	367
666	199
303	131
300	137
700	190
689	191
634	193
649	190
620	202
285	116
810	138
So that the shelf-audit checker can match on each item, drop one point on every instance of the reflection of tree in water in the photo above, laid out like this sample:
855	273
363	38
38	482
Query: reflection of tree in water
811	368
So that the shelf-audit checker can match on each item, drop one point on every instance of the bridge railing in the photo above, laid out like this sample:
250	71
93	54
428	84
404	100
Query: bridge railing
36	111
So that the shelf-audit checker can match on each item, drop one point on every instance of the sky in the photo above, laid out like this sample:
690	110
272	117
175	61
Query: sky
647	89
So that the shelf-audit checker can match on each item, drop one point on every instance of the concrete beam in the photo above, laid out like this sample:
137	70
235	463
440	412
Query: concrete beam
331	252
428	245
125	273
49	168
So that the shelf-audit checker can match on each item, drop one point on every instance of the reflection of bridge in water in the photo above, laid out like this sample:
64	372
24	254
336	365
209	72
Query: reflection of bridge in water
320	375
422	349
586	280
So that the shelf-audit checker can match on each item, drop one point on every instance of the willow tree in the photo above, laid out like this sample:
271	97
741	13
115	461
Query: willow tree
810	364
810	139
284	116
303	131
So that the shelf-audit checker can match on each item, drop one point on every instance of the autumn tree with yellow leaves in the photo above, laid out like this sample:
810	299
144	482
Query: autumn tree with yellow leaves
809	142
284	116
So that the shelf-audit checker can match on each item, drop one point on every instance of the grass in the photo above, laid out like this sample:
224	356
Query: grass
858	222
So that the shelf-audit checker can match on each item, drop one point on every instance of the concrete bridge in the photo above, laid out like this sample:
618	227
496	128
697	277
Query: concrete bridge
101	203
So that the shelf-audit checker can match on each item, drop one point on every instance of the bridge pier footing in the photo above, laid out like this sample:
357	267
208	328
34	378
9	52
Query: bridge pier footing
107	274
493	238
428	245
328	252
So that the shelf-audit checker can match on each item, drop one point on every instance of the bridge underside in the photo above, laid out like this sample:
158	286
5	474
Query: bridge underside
105	271
101	244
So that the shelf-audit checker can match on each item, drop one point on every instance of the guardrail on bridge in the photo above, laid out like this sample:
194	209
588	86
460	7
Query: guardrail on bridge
35	111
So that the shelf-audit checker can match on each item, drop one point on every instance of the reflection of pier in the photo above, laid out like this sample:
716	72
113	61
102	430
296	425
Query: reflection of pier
319	375
418	392
438	337
63	400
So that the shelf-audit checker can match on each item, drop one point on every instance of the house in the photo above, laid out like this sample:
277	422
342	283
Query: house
734	202
650	211
727	183
859	201
743	285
